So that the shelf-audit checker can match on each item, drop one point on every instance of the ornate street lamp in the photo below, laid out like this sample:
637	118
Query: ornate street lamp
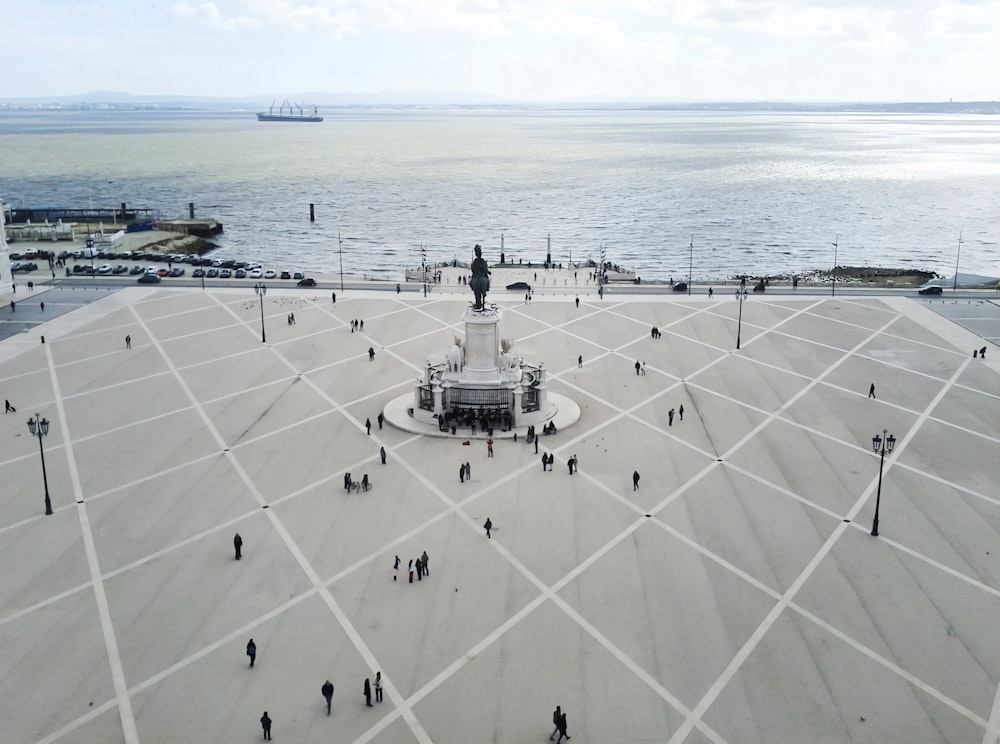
739	322
261	290
881	445
39	427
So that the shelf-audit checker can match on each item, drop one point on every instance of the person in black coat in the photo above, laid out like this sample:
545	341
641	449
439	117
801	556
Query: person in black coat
368	692
327	691
265	723
252	652
238	545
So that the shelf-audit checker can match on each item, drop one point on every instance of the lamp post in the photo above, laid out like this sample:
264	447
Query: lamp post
954	284
39	427
691	265
833	276
739	322
881	445
261	290
340	252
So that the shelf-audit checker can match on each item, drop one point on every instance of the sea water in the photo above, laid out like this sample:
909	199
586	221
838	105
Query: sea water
663	193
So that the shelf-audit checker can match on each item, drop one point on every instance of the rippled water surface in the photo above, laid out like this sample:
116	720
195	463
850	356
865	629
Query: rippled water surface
758	193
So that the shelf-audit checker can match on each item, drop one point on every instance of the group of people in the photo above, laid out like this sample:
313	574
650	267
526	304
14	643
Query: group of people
464	472
291	318
485	419
364	484
357	325
418	565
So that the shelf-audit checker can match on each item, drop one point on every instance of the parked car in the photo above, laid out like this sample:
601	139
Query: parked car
681	287
307	282
137	269
198	273
256	274
149	279
104	269
269	274
177	271
212	273
519	285
934	289
285	275
119	269
162	273
225	273
298	275
240	273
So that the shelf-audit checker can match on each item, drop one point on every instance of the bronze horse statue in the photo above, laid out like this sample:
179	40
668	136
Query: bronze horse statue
480	281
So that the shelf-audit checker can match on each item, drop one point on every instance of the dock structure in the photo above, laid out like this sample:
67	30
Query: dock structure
199	227
735	594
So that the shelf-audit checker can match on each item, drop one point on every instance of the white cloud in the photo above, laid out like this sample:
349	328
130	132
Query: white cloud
208	14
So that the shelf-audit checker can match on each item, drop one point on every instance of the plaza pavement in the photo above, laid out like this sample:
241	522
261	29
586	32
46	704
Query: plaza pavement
737	596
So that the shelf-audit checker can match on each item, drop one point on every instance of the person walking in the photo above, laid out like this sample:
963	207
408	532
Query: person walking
411	570
42	306
579	362
378	687
536	444
368	692
488	526
578	302
395	568
333	297
461	472
420	569
265	723
128	342
362	325
368	426
347	482
680	411
9	408
468	472
381	418
556	721
238	545
489	447
982	353
710	293
252	652
552	461
381	451
635	480
371	354
563	729
545	462
327	691
423	560
637	367
670	417
871	391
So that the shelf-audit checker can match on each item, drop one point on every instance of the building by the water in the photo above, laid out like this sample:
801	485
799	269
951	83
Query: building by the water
6	277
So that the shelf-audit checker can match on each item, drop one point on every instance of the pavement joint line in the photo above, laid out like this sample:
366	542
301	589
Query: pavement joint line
949	484
339	615
87	717
517	564
788	596
895	668
129	731
17	615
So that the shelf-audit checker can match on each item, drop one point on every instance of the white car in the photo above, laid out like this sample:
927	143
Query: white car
269	274
104	269
254	265
256	274
152	269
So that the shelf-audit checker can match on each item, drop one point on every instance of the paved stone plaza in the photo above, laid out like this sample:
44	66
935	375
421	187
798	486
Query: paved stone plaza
736	596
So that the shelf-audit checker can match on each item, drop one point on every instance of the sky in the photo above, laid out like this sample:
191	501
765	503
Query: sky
526	50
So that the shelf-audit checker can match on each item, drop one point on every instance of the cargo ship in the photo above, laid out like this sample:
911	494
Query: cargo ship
291	115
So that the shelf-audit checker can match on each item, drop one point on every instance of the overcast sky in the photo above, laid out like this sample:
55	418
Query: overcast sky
523	49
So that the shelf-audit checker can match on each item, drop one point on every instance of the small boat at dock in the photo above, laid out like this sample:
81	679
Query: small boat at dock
291	115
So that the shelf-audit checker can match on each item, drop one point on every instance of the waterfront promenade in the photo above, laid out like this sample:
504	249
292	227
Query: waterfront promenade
736	596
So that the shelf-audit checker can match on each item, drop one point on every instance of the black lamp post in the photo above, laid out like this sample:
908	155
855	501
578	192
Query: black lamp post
833	276
739	322
690	264
39	427
881	445
261	290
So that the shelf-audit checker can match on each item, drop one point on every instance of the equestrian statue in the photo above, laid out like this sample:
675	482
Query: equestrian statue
480	281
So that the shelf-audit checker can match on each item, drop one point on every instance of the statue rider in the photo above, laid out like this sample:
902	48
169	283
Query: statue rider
480	281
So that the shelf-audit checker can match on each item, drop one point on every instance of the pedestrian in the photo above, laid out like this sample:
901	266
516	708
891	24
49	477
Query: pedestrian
362	326
710	293
552	461
368	426
556	721
579	361
381	418
128	342
238	544
871	391
569	464
563	729
468	472
9	408
644	369
680	411
352	325
398	290
489	447
423	560
536	445
545	462
365	485
327	691
578	302
42	306
461	472
371	354
333	297
670	417
635	480
265	722
637	367
488	526
289	318
252	652
381	451
368	692
982	353
378	687
411	570
395	568
420	569
347	482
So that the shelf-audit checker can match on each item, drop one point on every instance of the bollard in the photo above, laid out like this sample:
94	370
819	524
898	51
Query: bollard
43	339
312	212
